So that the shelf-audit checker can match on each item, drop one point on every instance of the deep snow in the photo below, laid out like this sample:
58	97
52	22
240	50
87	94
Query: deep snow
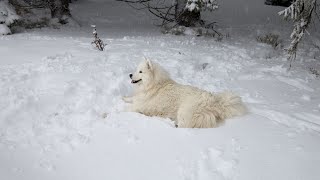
56	89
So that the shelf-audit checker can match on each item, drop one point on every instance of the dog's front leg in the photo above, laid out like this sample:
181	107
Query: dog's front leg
127	99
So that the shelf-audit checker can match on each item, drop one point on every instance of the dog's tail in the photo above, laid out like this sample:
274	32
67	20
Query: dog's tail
229	104
208	110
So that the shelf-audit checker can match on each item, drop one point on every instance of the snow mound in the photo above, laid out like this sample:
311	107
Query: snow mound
4	30
7	13
7	16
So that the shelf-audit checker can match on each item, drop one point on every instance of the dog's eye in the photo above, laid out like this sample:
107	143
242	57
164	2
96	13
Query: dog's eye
140	71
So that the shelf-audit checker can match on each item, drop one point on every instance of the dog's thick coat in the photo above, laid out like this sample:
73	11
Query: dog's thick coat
156	94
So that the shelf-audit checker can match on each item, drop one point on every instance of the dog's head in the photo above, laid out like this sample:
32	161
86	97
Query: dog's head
148	74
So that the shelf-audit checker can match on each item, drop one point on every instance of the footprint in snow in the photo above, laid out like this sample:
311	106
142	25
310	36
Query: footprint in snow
132	138
47	165
213	164
310	118
298	121
297	83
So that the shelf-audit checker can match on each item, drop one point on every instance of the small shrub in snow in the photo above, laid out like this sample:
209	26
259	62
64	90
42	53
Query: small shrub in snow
180	30
192	31
97	41
315	50
314	71
271	39
198	5
7	17
316	44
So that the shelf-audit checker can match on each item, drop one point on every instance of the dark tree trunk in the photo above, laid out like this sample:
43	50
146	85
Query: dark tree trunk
59	9
189	18
185	17
285	3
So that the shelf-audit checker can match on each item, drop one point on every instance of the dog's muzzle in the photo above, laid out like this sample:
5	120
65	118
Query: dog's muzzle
133	81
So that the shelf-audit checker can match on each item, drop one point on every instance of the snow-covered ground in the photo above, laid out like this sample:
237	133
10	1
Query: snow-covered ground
61	109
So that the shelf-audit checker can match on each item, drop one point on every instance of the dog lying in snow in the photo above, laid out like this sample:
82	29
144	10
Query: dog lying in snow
156	94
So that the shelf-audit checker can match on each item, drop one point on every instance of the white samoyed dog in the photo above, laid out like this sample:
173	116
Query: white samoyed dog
156	94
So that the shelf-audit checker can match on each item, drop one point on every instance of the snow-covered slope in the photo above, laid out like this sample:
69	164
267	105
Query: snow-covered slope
61	109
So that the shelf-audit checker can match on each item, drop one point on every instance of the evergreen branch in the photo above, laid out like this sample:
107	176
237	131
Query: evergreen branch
300	12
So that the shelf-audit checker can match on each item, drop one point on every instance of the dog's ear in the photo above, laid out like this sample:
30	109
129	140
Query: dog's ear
149	63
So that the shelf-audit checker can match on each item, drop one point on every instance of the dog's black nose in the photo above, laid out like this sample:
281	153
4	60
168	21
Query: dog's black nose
130	75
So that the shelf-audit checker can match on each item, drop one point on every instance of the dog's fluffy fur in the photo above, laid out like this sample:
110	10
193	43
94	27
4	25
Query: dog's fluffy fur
156	94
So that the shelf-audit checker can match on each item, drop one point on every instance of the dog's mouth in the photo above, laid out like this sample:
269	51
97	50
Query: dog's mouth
135	81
